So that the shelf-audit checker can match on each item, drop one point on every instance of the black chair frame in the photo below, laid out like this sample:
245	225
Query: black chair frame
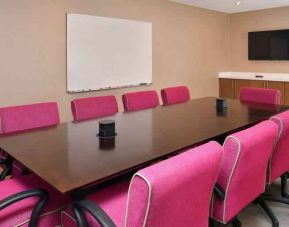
80	206
43	198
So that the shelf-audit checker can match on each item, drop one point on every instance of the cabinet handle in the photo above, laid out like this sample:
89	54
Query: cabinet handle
232	83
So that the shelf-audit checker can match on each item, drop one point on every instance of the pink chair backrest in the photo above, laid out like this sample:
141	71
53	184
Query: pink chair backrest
243	171
174	95
94	107
175	192
140	100
25	117
260	95
279	162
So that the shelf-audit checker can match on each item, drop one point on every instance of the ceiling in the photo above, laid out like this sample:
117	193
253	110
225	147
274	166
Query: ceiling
229	6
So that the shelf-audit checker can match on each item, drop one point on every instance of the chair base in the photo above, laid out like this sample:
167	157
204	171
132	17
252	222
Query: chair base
268	211
283	199
235	223
275	199
284	192
284	186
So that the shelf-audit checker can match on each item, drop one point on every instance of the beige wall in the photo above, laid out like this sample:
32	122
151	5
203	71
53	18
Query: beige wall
241	24
190	46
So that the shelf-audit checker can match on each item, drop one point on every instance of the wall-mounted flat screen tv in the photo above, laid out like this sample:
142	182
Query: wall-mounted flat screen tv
268	45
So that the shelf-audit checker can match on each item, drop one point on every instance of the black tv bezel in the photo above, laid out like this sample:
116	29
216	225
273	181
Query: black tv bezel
267	59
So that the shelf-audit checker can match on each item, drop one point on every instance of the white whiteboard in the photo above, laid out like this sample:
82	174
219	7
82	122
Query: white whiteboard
105	53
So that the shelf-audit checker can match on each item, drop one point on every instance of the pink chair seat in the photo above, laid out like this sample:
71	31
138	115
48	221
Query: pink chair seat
260	95
161	196
174	95
243	171
94	107
279	161
140	100
18	214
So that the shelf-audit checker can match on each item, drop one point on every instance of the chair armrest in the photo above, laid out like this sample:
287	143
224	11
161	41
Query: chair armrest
99	214
219	192
24	195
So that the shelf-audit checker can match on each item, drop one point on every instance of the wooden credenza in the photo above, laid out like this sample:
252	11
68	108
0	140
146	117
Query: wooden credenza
230	87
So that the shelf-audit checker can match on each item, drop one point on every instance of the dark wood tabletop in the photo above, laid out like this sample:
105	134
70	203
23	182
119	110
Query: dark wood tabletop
70	155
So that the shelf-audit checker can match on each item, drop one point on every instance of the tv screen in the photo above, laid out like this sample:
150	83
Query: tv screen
269	45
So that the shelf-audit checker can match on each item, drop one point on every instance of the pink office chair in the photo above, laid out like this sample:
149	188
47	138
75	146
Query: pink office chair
174	95
95	107
243	173
279	161
260	95
22	118
157	195
140	100
29	201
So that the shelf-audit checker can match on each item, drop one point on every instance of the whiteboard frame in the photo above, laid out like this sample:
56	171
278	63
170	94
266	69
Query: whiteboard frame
68	90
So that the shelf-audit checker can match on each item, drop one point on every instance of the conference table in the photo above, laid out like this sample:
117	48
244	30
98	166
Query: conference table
71	157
